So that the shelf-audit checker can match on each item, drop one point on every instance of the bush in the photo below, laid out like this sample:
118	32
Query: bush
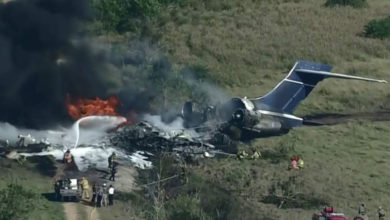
352	3
125	15
378	28
186	207
288	194
16	202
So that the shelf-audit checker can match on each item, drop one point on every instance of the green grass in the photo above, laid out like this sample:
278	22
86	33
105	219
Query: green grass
28	176
250	47
247	48
344	165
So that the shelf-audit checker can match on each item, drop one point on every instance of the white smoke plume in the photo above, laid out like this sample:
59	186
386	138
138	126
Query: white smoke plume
171	129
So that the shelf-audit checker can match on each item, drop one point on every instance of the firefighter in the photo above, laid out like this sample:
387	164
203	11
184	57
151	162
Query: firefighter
67	157
94	193
113	172
300	162
111	195
85	188
111	159
294	164
256	155
183	174
242	155
381	213
57	188
362	209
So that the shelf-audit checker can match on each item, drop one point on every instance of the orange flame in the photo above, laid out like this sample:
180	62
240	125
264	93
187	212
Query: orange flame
79	108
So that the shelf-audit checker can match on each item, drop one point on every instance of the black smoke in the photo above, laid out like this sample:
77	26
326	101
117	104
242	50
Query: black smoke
44	57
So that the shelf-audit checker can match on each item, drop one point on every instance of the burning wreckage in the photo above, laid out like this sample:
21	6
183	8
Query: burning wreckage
141	140
218	128
203	133
190	144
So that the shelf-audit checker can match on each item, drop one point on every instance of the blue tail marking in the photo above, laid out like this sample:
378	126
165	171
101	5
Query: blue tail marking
297	85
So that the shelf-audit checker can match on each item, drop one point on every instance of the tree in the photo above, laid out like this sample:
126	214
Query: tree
378	28
121	15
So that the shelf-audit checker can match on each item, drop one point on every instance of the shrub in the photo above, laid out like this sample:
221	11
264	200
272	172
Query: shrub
378	28
16	202
125	15
288	194
352	3
186	207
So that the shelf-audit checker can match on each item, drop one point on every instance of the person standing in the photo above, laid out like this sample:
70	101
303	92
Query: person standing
381	213
105	191
99	196
113	172
67	157
300	162
85	188
57	188
111	195
294	164
363	211
111	160
94	194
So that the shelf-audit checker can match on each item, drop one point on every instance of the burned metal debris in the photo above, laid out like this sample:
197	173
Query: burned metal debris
185	143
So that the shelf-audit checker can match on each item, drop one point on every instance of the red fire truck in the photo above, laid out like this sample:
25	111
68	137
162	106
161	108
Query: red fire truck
329	214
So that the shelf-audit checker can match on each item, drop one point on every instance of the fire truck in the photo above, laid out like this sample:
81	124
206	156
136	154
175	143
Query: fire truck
329	214
67	190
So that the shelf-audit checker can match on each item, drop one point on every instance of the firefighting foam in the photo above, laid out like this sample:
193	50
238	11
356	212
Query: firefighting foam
97	125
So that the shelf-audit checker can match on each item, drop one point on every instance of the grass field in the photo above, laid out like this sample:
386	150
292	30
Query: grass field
28	176
246	48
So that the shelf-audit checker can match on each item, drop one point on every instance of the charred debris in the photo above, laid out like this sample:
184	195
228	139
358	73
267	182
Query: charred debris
188	144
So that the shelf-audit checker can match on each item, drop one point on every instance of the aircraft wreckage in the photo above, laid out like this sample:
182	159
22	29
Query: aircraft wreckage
271	114
216	129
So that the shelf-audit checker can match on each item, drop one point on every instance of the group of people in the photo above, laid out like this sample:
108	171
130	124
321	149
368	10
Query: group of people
244	155
102	195
328	211
364	216
296	162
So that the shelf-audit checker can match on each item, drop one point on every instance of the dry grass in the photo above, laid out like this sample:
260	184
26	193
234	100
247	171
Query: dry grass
345	165
248	46
251	45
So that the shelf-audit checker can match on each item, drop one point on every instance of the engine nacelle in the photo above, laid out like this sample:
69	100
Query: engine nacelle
245	118
227	109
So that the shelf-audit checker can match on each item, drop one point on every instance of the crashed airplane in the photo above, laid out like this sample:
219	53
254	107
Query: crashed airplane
212	131
269	115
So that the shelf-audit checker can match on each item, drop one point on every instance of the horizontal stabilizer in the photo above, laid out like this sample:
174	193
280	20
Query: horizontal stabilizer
339	75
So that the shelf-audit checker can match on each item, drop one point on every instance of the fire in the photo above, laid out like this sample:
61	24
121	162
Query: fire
79	108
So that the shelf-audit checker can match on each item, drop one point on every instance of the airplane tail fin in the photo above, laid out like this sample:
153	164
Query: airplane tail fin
297	85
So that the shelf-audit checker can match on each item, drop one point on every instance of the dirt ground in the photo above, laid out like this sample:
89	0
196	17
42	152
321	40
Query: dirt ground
125	182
